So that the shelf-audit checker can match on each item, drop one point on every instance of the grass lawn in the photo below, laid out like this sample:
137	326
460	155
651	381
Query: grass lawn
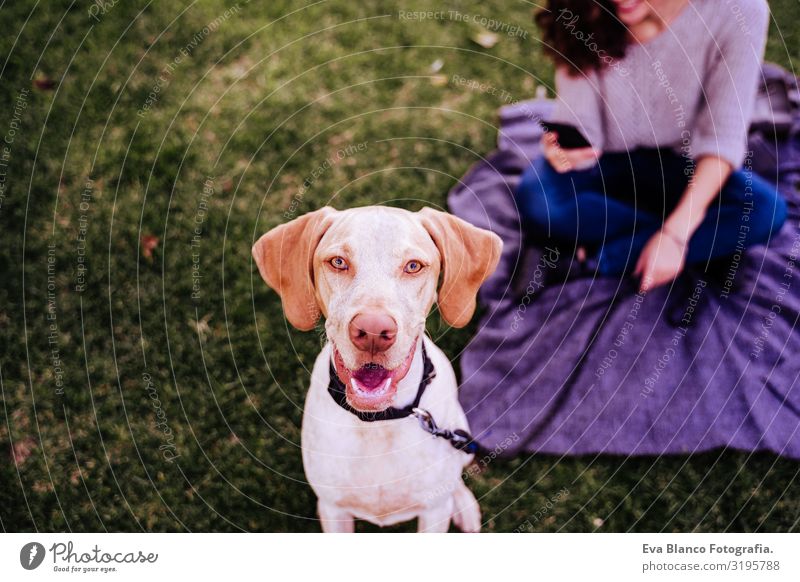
150	143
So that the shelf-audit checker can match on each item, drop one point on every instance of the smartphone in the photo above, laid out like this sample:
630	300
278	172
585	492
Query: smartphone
569	137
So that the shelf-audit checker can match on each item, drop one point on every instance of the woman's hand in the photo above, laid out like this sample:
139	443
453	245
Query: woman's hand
566	160
662	259
664	255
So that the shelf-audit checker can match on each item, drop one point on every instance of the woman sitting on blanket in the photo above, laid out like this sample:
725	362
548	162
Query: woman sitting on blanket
663	91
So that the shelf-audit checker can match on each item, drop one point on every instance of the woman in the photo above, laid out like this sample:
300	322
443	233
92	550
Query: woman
663	90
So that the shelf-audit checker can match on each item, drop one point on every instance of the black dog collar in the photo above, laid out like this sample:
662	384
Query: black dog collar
337	390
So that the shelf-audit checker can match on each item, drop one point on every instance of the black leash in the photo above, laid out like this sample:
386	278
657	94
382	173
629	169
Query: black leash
460	439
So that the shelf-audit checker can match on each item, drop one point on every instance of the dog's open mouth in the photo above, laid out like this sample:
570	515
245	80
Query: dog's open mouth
371	387
372	379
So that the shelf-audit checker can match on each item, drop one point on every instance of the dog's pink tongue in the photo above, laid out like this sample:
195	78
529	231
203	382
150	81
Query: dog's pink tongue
370	377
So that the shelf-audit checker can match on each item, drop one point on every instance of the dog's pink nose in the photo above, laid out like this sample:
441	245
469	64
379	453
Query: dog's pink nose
373	332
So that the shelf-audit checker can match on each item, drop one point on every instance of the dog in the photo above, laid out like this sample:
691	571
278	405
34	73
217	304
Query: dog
372	273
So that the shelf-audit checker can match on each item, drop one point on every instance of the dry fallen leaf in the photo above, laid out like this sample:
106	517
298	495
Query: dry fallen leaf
439	80
22	449
201	326
75	476
149	244
44	83
486	39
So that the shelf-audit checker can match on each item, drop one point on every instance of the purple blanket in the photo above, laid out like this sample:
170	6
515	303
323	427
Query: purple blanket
591	366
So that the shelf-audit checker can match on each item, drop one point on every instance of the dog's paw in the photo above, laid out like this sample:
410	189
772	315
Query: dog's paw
466	511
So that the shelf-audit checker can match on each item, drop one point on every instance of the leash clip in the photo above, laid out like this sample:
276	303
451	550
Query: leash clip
459	439
425	420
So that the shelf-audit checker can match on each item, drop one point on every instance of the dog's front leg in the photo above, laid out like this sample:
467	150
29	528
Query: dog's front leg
335	520
435	519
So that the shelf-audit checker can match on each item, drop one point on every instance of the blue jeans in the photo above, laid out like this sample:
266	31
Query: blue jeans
618	204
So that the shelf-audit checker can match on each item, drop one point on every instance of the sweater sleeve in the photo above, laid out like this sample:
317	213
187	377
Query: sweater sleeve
731	84
578	103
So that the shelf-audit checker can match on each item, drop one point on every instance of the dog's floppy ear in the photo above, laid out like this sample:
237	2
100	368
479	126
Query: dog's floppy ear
469	255
284	258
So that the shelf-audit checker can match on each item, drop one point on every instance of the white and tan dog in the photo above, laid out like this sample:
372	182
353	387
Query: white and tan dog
373	272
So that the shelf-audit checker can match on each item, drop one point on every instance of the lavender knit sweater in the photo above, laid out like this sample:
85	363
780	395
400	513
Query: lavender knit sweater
691	88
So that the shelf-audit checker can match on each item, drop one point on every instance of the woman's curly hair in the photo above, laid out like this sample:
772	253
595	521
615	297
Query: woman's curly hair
584	35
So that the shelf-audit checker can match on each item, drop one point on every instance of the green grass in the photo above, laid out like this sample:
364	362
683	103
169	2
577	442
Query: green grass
258	105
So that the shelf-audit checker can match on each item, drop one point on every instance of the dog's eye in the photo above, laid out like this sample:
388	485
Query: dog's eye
338	263
412	267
